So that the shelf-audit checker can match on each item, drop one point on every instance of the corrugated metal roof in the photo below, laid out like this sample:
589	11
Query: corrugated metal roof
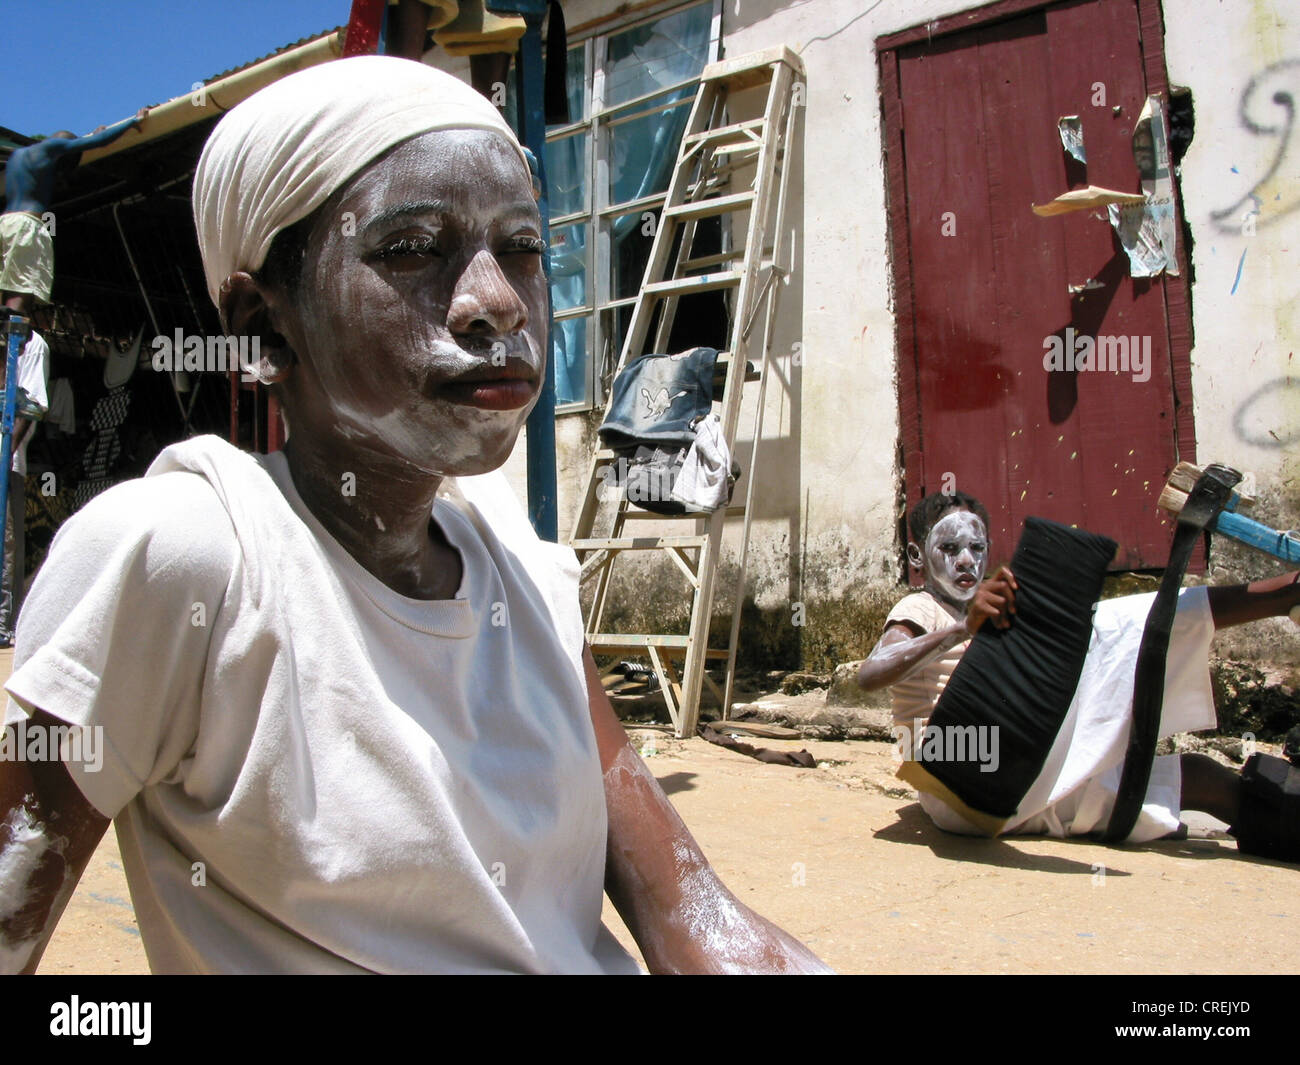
272	55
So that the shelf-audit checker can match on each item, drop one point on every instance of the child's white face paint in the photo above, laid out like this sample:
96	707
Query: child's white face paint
956	552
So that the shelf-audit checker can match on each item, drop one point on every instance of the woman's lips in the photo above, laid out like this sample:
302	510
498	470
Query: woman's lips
505	387
504	393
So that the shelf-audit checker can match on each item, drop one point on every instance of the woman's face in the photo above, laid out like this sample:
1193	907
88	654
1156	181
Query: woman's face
419	322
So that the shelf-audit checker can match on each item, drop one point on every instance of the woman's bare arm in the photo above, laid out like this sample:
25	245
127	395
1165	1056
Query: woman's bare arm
682	917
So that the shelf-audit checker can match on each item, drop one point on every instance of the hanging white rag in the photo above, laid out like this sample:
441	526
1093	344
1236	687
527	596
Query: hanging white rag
702	482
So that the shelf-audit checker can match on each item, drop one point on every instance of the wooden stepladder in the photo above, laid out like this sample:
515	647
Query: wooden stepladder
736	170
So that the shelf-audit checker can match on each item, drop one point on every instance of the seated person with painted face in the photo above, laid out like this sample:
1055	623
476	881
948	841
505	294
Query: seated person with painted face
337	698
927	632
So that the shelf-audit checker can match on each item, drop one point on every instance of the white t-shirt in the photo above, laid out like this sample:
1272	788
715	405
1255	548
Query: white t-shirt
33	375
914	697
310	772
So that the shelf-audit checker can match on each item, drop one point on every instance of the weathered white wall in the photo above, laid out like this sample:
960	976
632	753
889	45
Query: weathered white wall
827	494
828	482
1246	359
843	404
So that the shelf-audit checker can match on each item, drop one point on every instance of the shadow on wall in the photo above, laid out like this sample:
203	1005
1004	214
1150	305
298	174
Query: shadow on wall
778	477
829	630
784	464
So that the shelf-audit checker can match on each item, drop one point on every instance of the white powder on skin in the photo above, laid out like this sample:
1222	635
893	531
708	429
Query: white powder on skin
477	174
728	933
714	919
887	656
964	534
26	846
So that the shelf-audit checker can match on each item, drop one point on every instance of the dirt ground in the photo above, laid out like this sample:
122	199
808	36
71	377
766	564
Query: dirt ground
843	858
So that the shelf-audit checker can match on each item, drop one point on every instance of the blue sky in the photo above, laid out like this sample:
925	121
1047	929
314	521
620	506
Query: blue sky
92	62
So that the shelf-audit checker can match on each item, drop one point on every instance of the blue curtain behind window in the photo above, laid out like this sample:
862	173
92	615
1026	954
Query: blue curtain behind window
641	155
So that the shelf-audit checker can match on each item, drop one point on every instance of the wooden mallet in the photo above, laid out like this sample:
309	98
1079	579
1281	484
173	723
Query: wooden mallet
1283	545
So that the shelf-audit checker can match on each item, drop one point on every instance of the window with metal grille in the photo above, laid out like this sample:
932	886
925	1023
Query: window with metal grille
630	92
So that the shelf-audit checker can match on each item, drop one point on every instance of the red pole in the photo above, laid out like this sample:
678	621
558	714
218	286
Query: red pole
364	26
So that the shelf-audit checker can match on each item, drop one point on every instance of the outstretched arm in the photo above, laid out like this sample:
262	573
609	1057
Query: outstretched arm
100	137
903	649
682	917
48	832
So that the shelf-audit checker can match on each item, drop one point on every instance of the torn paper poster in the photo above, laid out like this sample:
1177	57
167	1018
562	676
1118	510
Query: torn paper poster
1082	199
1149	233
1140	239
1071	130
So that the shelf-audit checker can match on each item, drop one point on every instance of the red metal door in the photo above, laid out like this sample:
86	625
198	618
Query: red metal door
984	284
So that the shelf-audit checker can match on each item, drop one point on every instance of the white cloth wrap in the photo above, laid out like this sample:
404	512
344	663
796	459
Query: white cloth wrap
280	154
1076	788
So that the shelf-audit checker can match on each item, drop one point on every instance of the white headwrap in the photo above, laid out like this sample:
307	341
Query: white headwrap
280	154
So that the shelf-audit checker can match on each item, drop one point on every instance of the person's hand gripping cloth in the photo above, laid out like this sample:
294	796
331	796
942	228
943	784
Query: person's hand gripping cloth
1018	681
279	155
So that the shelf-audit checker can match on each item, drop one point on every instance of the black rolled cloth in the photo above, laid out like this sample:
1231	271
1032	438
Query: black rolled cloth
1019	680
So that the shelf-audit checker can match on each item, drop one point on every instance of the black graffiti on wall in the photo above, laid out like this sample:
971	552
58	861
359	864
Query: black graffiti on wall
1251	425
1268	109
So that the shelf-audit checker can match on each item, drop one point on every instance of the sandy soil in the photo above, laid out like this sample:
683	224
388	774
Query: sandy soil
843	858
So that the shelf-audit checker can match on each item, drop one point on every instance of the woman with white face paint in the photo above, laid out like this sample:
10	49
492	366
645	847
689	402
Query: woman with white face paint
927	632
349	719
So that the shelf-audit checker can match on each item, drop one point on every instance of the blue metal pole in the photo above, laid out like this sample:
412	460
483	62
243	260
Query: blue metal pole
542	493
17	329
1257	535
